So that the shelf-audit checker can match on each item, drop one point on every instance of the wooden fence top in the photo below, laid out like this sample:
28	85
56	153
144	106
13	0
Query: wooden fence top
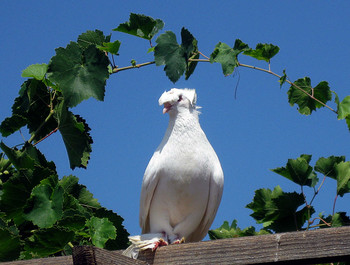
306	247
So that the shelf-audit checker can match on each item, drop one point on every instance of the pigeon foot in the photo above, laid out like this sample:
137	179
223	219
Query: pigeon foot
179	241
159	243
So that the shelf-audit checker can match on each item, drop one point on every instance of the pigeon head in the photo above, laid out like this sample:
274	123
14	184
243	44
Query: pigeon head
177	100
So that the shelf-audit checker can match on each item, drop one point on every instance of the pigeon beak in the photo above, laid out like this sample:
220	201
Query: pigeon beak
167	107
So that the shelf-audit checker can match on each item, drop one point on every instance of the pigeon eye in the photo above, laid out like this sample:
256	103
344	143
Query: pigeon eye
180	98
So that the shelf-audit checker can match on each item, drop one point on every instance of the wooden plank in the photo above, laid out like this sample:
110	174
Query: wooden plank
307	247
64	260
89	255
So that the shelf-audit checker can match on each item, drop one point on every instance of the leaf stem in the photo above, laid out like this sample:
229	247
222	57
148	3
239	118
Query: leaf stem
41	125
335	200
52	132
291	83
207	60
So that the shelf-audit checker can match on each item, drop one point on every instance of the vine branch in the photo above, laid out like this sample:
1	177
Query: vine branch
117	69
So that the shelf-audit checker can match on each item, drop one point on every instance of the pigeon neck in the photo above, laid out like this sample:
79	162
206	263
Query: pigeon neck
183	121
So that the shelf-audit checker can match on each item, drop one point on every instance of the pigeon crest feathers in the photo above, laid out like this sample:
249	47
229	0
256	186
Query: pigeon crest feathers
170	98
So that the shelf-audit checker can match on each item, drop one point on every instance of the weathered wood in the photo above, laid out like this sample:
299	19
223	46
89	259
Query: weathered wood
89	255
64	260
308	247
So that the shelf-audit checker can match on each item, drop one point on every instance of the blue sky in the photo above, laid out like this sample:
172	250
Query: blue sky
251	134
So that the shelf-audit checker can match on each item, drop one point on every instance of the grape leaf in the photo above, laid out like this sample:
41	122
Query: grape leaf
17	190
336	220
326	166
227	231
227	56
74	222
141	26
12	124
10	245
283	78
343	107
340	219
48	241
37	71
306	103
71	186
92	38
169	53
101	230
27	157
111	47
292	221
343	110
44	206
121	241
263	52
31	108
299	171
80	74
277	209
262	203
190	45
75	134
343	178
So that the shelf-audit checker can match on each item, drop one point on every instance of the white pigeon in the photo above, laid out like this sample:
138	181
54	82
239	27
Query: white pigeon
183	182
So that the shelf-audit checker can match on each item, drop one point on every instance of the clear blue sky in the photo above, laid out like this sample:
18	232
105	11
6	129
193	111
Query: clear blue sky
251	134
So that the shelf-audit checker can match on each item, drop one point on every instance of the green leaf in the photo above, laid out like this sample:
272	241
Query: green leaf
36	71
337	220
170	53
141	26
340	219
190	45
306	103
76	137
277	210
283	78
343	107
27	157
96	38
10	245
31	108
326	166
176	57
263	52
227	56
17	190
44	206
262	203
121	241
12	124
80	74
49	241
299	171
293	221
71	186
111	47
343	178
73	222
101	230
227	231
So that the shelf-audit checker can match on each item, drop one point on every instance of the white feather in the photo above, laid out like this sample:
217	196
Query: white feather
183	182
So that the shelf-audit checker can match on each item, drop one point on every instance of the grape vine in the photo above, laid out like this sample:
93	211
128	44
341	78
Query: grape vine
43	215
